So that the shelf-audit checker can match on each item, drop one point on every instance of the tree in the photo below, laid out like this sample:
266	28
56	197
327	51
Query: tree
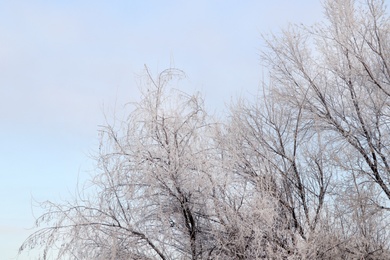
302	173
337	74
150	198
286	157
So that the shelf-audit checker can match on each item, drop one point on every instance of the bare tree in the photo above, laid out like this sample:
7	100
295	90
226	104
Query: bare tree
149	200
336	75
337	72
285	157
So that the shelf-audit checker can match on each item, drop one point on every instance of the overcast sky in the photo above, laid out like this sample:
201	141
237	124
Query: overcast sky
64	63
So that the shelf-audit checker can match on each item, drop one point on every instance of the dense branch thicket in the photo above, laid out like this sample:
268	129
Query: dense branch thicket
302	173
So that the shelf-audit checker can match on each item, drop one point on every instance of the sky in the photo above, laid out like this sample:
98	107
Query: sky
65	64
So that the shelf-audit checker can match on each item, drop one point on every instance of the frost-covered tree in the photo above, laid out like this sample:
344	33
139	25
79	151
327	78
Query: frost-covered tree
286	158
301	173
336	75
149	199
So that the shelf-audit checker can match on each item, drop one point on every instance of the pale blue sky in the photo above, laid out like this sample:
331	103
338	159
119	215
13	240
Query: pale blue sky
62	63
